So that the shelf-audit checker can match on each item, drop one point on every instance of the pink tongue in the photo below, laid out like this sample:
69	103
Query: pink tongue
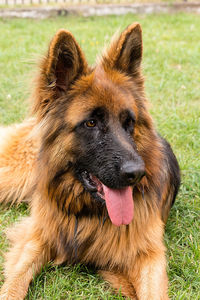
119	204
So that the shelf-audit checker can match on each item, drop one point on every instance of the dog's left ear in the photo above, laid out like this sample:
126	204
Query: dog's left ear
125	53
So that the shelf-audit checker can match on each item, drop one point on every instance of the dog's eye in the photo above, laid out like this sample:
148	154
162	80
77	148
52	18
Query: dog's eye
90	123
129	124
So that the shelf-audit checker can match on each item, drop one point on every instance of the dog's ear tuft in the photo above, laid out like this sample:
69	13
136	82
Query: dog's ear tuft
64	63
125	53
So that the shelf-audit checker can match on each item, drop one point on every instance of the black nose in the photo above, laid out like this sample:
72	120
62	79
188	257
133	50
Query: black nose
132	172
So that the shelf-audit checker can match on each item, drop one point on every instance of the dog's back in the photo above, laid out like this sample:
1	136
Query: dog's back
18	151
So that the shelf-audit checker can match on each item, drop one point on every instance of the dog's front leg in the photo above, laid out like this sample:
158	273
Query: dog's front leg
120	283
25	259
150	278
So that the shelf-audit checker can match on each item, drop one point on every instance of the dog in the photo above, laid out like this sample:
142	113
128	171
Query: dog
99	179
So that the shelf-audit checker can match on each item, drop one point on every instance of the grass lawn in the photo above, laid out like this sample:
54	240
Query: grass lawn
172	69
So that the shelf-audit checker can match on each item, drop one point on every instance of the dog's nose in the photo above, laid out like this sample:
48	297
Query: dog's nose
132	171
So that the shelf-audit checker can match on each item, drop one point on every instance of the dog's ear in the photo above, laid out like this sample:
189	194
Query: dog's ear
64	63
125	53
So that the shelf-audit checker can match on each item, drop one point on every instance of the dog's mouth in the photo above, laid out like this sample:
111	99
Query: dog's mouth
93	185
119	202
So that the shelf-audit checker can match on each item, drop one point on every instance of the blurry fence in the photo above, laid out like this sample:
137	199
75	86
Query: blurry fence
25	2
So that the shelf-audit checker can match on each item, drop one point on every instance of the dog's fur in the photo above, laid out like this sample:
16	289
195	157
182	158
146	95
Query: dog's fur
89	125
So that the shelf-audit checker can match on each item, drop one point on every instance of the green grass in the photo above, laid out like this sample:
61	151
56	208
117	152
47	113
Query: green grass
171	66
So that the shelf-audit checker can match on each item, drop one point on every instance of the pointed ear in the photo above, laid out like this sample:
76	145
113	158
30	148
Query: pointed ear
64	63
125	53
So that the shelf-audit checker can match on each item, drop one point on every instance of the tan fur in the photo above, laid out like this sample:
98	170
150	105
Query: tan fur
131	257
18	151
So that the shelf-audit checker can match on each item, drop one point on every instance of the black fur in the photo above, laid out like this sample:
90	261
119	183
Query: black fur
102	151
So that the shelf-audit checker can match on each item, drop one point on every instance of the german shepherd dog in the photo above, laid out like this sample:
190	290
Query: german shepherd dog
99	178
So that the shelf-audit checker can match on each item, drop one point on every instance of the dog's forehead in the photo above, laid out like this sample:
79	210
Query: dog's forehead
101	89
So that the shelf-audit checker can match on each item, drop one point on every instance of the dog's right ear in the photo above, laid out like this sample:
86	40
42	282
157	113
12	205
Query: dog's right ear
64	63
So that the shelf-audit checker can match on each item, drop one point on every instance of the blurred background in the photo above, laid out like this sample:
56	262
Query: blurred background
78	2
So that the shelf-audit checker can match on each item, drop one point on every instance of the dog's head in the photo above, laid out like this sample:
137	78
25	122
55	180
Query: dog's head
94	120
